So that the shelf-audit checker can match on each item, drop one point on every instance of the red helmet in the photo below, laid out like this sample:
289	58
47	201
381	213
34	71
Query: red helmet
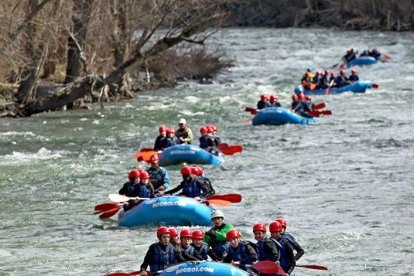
162	230
210	129
173	232
144	175
186	170
133	174
203	130
342	72
194	170
185	233
162	129
263	97
199	171
154	159
170	131
294	97
282	221
198	234
259	227
353	71
233	233
273	98
275	227
214	127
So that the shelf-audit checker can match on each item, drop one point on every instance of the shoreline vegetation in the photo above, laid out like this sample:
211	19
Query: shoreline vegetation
58	55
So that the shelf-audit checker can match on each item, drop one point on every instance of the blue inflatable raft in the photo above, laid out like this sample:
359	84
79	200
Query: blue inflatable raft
189	154
361	61
204	269
280	116
356	87
167	210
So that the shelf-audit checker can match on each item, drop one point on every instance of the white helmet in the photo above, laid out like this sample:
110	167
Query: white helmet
217	214
182	121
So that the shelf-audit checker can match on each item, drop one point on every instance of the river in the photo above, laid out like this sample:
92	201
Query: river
345	185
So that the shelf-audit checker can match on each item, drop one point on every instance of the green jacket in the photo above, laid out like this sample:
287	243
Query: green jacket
217	235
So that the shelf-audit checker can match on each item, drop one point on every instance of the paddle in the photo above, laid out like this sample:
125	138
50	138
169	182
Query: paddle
234	198
375	85
268	267
122	198
319	106
318	113
317	267
252	110
127	273
333	66
109	213
229	149
105	207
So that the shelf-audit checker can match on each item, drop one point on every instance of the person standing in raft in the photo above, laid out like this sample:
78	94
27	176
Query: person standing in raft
262	103
160	255
296	246
268	249
287	258
216	236
183	133
240	253
192	186
159	176
161	141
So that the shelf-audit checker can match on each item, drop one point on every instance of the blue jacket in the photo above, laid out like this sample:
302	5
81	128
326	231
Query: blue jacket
159	177
158	257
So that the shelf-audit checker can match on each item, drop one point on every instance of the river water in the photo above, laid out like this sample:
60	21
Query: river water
345	186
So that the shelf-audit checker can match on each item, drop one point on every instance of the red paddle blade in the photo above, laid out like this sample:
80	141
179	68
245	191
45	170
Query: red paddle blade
252	110
314	113
109	213
268	267
229	150
105	206
326	112
317	267
319	106
375	85
234	198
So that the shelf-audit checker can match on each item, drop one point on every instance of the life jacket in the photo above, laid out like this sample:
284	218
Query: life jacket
241	253
145	191
156	176
207	185
189	250
162	258
262	254
192	188
201	251
182	133
132	190
161	143
204	142
284	261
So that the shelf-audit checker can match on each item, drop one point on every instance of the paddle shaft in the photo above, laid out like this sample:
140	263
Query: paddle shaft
312	266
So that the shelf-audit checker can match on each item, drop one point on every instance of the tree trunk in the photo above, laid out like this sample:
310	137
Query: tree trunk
27	86
76	39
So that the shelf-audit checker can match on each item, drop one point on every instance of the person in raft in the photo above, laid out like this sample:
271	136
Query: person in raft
263	102
192	186
159	176
161	141
133	188
286	255
267	248
160	255
240	253
215	237
171	139
296	246
201	250
183	133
